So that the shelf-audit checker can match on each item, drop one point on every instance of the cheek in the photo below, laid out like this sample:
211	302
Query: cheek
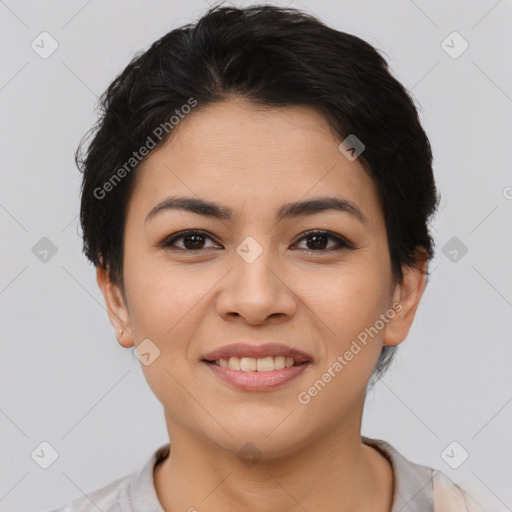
347	299
348	303
162	297
163	309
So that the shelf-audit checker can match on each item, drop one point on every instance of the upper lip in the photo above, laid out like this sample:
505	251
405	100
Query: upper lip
257	351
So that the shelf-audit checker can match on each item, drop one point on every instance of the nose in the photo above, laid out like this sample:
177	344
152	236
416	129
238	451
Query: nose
256	290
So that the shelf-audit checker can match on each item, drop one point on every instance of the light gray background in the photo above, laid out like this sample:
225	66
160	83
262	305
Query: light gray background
65	379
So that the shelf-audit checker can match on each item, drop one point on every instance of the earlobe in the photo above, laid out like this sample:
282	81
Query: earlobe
116	308
407	295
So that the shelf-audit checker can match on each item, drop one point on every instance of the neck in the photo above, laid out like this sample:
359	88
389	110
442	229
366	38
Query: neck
336	471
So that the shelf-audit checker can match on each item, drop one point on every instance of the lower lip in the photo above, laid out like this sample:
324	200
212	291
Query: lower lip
257	381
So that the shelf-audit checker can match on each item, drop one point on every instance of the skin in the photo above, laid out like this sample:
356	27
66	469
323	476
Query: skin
252	160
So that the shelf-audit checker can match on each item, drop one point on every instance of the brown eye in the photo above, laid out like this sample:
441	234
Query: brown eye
317	241
191	241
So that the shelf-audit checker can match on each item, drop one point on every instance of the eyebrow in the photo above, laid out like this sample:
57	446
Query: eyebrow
287	211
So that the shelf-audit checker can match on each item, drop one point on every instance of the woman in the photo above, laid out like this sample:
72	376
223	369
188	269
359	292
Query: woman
256	201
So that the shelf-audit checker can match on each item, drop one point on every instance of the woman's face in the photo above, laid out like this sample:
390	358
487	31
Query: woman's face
256	277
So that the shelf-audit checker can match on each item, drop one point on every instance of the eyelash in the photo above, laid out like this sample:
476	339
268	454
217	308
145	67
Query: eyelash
342	243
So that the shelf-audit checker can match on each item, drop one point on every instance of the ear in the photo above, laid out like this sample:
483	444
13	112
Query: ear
406	298
116	307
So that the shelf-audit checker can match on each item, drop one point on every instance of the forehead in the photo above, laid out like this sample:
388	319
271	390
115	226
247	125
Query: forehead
246	156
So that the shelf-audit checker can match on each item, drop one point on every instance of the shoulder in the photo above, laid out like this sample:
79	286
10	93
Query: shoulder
449	497
419	488
129	493
106	499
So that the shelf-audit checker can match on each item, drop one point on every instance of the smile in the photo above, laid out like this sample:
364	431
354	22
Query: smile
252	364
254	379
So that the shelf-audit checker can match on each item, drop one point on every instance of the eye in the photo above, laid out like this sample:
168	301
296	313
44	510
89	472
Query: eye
192	241
318	241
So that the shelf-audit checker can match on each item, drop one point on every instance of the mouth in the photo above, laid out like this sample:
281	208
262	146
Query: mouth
262	355
252	364
257	368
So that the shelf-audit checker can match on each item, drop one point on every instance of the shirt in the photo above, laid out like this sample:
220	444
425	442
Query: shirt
417	488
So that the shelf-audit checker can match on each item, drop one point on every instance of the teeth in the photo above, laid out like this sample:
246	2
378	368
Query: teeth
265	364
233	363
251	364
248	364
279	362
